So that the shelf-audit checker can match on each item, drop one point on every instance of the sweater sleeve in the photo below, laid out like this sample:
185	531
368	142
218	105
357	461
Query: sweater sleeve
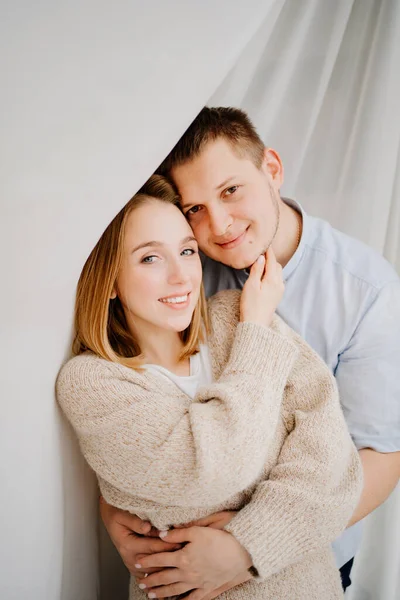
312	491
151	444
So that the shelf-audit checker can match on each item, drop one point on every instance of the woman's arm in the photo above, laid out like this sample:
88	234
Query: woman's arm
312	491
151	444
301	508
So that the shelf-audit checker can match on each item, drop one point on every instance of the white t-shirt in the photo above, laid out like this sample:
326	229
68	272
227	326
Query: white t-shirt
200	372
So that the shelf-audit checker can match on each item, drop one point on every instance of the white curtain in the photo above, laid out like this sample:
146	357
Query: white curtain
321	80
93	95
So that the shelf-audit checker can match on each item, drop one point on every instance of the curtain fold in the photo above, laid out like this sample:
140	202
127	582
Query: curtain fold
320	80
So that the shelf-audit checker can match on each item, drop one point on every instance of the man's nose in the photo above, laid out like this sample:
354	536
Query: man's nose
220	220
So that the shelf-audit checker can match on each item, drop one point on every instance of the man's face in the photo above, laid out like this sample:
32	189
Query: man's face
228	203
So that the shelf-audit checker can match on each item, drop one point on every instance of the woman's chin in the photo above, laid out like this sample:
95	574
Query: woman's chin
179	323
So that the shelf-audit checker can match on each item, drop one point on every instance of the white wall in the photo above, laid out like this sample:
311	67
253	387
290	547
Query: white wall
93	95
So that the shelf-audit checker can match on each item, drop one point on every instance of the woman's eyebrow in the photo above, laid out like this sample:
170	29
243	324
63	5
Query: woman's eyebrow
154	243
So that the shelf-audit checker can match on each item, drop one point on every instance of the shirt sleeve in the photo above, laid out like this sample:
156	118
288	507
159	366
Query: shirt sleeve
368	375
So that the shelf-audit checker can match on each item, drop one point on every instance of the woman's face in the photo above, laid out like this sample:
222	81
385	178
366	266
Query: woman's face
160	279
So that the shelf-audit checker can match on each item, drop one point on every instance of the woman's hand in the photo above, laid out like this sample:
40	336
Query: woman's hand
210	559
263	290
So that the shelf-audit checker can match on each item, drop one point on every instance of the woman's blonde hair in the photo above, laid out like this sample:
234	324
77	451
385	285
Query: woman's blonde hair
100	323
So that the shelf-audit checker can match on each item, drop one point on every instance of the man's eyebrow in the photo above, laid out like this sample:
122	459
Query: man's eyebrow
154	243
220	186
224	183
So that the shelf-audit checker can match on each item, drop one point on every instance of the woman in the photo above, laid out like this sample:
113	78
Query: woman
182	409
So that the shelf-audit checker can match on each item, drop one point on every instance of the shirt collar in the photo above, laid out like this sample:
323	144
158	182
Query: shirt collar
297	256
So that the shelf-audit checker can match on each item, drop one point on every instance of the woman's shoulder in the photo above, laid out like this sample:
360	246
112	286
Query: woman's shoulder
86	382
223	312
85	369
225	307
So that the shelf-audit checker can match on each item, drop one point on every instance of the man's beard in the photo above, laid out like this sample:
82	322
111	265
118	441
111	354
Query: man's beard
277	217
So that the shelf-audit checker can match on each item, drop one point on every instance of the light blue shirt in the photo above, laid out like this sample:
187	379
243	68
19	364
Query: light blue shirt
344	299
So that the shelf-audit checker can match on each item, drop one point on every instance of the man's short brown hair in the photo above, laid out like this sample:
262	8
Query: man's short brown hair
231	124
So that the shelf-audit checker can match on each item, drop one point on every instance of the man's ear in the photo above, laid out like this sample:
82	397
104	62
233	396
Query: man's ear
272	166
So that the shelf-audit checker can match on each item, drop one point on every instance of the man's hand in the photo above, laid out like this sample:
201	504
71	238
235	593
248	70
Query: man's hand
210	559
217	520
128	532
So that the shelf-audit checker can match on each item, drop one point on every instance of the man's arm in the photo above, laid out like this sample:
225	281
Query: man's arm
381	475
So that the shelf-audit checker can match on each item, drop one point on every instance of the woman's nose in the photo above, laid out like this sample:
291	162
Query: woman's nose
177	274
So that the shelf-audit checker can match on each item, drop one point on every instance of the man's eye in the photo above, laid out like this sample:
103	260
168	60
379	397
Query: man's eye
193	210
188	252
231	190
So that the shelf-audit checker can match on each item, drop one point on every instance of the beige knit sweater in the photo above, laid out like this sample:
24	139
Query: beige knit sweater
268	435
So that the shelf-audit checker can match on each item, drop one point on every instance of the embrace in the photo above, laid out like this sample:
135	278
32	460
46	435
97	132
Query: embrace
236	438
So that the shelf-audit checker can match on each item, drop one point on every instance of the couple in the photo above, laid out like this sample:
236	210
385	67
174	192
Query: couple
184	410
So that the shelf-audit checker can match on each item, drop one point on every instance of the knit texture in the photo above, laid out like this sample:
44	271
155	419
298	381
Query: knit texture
270	429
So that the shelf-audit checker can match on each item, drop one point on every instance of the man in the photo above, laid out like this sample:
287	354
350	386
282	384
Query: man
341	296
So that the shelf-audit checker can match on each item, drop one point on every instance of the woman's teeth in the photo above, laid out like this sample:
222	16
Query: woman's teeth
176	300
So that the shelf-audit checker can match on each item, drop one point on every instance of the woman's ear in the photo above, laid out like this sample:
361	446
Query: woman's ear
113	294
272	165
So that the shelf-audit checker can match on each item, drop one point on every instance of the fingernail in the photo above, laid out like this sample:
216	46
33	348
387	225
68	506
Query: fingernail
162	534
260	259
142	586
138	566
151	595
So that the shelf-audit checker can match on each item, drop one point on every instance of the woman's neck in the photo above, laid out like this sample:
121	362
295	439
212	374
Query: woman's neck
162	347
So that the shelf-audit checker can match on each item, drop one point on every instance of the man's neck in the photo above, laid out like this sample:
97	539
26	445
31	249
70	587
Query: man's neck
288	236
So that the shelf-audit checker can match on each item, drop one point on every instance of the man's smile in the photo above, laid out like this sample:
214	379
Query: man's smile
233	242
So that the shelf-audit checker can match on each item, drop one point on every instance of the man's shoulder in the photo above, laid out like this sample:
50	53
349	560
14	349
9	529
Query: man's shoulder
217	276
349	255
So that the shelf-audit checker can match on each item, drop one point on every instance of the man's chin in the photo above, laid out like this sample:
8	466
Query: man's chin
238	262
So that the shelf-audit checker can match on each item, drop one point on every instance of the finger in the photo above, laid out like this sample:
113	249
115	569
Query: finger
133	523
271	266
270	261
154	546
257	268
140	573
168	590
153	533
204	522
163	577
215	519
164	559
112	516
197	595
270	256
177	536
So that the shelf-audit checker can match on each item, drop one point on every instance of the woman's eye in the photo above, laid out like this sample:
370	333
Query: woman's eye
148	259
193	210
188	252
231	190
